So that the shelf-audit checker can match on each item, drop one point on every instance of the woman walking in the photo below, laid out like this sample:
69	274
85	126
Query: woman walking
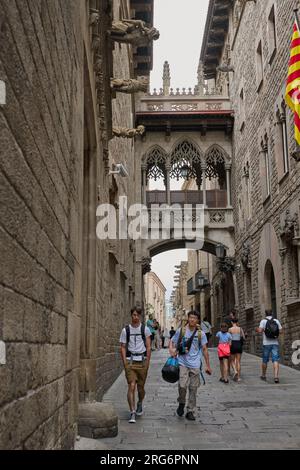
238	338
225	340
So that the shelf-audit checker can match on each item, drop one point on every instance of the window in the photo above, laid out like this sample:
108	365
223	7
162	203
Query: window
259	65
272	34
242	109
281	114
248	287
247	190
266	168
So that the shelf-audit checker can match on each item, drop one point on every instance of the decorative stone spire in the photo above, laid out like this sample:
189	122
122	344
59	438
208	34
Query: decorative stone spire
166	79
200	87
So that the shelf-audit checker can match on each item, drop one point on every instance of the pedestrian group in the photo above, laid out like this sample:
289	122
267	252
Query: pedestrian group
189	345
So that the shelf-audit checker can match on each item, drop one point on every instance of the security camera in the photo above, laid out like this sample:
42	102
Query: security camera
119	169
225	68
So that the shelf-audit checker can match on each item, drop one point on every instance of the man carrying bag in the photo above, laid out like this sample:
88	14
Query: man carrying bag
189	344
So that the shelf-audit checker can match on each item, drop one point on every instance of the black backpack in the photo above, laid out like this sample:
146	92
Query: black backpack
272	329
142	334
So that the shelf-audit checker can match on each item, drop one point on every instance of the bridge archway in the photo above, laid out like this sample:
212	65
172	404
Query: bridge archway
164	246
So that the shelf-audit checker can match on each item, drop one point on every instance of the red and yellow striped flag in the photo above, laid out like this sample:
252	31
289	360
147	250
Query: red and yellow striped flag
292	96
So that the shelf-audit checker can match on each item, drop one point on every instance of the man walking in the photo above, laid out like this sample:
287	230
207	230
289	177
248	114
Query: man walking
172	332
271	329
135	342
189	343
150	325
229	320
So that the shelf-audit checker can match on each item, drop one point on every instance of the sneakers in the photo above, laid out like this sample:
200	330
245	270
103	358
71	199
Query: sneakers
180	410
190	416
139	409
132	417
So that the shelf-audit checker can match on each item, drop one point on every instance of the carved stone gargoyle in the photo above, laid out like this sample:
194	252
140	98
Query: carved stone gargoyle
146	265
246	256
290	228
130	85
128	133
133	32
94	17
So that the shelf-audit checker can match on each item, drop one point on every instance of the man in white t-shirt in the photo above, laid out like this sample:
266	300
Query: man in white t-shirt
135	342
271	329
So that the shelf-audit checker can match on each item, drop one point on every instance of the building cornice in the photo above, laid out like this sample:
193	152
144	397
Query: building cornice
143	56
157	280
216	29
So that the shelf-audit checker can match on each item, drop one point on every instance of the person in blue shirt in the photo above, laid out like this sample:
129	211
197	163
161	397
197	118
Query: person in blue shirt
225	340
189	344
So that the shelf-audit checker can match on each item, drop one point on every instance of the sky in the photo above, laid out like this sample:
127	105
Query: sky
181	25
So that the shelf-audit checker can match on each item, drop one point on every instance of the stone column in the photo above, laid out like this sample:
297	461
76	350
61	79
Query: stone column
168	191
228	183
203	169
236	294
296	242
144	184
212	307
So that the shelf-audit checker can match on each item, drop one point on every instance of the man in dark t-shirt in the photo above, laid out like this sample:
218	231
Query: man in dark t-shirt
172	332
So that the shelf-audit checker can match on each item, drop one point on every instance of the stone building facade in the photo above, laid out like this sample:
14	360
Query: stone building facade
64	294
155	298
179	296
253	48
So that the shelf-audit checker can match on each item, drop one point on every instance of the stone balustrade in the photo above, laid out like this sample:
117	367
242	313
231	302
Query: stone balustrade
183	102
185	92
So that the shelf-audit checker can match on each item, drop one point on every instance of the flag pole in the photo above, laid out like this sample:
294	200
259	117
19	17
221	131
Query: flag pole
297	17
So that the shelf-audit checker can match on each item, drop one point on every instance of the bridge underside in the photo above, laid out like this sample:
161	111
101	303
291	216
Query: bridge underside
169	245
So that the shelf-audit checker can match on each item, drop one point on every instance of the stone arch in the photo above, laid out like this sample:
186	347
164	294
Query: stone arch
163	246
269	257
216	160
270	288
217	148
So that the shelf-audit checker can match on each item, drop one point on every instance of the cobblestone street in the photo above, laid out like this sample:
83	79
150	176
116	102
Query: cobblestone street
250	415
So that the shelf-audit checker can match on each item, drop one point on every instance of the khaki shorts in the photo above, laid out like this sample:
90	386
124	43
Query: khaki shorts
136	372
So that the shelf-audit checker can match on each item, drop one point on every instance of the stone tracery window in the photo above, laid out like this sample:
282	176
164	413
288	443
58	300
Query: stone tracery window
215	165
185	155
156	164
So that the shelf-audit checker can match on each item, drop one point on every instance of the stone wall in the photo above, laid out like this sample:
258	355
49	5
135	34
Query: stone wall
41	145
261	226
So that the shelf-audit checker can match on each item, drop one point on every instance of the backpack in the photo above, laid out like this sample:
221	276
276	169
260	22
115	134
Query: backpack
142	334
182	344
272	329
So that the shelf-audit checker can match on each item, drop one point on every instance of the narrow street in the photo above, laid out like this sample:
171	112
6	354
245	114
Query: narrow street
250	415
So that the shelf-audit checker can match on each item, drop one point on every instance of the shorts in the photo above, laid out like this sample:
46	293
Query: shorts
236	347
271	349
224	357
136	372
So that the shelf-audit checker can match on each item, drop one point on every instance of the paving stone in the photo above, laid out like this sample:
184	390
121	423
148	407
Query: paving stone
272	426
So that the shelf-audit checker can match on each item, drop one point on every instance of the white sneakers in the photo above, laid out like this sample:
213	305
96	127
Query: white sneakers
132	417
